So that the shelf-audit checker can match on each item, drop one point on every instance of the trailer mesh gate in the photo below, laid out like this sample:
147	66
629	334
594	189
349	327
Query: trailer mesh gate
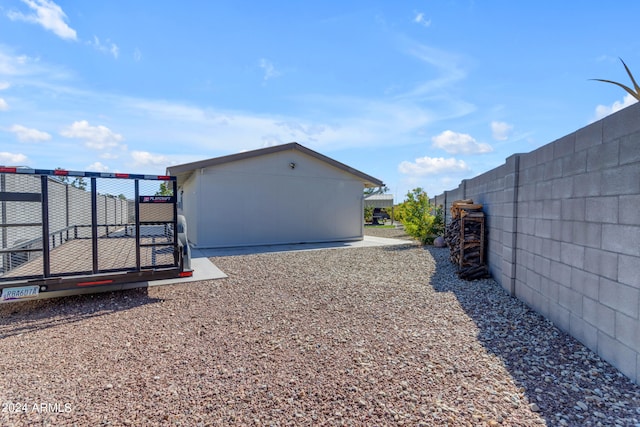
62	229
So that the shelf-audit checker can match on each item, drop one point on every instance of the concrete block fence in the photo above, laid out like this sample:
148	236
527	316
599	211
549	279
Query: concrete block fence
563	231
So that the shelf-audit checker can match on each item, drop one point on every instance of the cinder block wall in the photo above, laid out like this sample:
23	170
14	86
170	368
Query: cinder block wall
564	233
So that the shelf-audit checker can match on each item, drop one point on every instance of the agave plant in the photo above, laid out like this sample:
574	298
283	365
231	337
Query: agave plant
636	93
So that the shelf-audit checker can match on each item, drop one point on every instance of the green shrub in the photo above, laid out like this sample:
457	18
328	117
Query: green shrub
368	213
420	218
398	212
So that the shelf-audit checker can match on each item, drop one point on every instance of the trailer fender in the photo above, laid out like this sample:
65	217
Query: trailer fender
182	238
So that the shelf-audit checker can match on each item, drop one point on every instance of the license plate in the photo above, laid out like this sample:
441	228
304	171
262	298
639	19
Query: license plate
23	292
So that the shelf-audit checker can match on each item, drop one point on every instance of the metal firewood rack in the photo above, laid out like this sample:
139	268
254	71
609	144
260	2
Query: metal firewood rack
465	236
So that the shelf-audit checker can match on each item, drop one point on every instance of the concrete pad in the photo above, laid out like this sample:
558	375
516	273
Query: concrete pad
368	241
202	268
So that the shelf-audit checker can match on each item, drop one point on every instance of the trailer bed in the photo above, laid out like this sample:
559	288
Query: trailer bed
75	257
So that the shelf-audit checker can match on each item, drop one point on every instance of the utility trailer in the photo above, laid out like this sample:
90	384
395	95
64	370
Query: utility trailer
87	231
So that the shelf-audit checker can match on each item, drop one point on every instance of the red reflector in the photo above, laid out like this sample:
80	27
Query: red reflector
10	170
164	177
97	282
186	274
60	172
122	175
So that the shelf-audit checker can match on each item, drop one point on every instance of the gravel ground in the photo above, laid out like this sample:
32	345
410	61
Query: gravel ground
361	336
391	233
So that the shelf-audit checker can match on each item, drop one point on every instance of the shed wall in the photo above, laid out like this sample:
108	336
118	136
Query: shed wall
263	200
189	205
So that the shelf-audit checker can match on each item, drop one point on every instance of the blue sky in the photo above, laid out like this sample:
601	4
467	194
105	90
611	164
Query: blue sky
416	93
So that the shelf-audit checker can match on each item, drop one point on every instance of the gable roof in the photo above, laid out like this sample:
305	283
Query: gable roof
183	171
379	200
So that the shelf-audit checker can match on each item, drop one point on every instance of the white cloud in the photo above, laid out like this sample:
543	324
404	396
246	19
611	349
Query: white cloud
26	134
605	110
23	65
97	167
446	64
338	120
9	64
353	122
432	165
12	159
96	137
4	106
271	140
420	19
270	71
294	128
167	111
47	14
145	158
501	131
459	143
107	47
137	55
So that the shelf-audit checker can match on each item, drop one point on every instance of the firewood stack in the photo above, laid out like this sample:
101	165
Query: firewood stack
465	237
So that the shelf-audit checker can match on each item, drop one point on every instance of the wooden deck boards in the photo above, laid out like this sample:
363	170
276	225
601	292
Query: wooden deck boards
76	256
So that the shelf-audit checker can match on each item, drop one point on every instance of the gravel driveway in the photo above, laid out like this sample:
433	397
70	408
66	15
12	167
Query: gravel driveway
360	336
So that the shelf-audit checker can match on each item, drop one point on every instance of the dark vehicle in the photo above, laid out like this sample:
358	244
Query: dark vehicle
379	215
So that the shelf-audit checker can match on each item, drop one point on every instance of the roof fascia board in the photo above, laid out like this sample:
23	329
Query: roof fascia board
187	168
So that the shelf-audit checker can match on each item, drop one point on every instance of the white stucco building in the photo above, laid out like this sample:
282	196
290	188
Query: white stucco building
276	195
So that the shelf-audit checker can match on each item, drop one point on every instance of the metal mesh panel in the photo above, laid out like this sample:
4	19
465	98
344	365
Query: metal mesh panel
69	206
20	226
116	235
156	256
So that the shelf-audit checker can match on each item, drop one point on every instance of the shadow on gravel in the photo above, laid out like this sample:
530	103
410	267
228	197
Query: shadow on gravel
24	317
403	247
565	382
